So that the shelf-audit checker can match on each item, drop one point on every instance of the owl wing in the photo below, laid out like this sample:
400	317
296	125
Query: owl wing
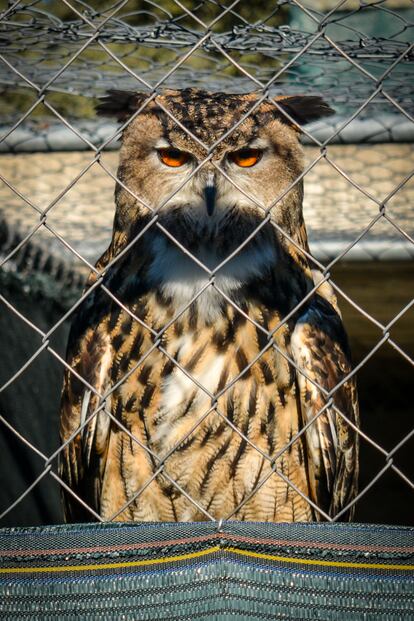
321	354
89	353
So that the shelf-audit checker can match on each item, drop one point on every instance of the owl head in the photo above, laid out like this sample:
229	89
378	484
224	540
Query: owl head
210	164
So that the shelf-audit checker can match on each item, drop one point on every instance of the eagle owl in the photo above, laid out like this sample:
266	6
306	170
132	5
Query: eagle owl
204	359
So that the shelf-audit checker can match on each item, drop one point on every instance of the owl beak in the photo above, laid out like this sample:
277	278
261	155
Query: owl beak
210	192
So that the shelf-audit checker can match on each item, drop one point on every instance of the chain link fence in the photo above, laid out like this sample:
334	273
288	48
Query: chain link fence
59	58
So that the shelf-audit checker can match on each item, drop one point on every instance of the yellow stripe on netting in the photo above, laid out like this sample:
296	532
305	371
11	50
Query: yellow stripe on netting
156	561
192	555
306	561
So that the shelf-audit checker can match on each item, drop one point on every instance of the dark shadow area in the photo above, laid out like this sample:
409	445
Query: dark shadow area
384	383
30	404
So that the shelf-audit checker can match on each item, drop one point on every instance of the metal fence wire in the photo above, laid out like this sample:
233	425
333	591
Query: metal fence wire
58	58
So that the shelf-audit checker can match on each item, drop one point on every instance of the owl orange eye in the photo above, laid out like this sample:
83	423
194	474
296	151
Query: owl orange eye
173	157
246	157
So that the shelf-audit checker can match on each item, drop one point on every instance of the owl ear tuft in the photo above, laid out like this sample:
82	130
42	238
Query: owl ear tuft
120	104
304	108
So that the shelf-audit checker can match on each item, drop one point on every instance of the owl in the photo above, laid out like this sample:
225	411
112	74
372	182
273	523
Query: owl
209	368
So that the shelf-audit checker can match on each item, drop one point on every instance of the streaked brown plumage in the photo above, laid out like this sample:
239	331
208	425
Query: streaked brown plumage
125	352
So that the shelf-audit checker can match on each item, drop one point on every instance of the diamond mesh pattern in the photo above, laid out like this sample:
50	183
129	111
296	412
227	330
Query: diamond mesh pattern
52	56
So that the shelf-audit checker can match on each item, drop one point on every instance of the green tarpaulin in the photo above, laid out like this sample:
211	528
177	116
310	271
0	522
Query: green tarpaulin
207	571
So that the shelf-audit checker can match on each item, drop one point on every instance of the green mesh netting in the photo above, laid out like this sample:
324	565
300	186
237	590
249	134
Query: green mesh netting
200	571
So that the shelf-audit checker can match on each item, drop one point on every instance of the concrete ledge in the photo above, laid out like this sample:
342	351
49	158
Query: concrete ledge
51	135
